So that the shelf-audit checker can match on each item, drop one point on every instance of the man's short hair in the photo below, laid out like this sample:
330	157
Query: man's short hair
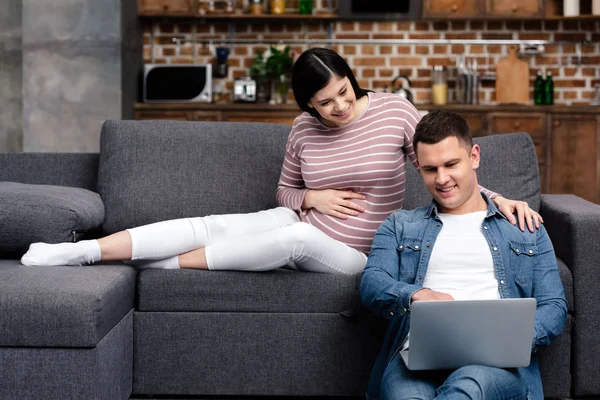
439	125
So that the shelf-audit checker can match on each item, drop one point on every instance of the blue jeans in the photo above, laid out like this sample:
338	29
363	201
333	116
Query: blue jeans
470	382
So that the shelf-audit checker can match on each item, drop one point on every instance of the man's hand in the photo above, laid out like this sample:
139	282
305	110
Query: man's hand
333	202
428	294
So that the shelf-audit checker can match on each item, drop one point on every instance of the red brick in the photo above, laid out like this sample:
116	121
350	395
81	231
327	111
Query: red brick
569	37
349	50
496	36
388	36
460	25
440	49
367	49
344	26
423	72
440	61
421	25
461	36
365	27
533	36
353	36
532	25
476	25
397	61
474	49
588	71
181	60
370	61
385	49
424	36
460	49
385	73
573	83
368	73
419	49
403	49
440	26
386	27
493	25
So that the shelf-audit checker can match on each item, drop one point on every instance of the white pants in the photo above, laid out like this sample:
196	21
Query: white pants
248	242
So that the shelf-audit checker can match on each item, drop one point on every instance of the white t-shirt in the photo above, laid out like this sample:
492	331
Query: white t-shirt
461	262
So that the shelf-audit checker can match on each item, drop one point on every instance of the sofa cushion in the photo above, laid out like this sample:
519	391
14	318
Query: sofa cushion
508	167
275	291
44	213
62	306
157	170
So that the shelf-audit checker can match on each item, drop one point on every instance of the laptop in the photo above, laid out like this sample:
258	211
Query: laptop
452	334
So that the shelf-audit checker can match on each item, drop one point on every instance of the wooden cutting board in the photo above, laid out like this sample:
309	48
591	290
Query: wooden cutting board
512	79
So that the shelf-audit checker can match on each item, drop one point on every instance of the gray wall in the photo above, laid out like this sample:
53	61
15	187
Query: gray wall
11	105
72	65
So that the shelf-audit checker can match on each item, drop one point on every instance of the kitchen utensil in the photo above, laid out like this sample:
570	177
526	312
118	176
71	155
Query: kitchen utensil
403	89
512	79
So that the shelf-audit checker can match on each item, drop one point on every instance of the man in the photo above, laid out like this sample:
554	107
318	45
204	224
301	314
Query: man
459	247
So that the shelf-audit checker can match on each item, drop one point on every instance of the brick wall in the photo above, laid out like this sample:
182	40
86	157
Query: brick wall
576	68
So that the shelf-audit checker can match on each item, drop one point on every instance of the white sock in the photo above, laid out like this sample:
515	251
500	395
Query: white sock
80	253
166	263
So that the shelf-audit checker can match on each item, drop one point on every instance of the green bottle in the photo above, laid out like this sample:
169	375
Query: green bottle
306	6
538	89
549	89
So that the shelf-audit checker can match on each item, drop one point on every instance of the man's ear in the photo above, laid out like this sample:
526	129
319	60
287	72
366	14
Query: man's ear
475	156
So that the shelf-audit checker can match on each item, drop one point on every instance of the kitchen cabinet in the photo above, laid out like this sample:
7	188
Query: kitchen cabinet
452	8
514	8
482	9
476	122
566	138
575	166
175	8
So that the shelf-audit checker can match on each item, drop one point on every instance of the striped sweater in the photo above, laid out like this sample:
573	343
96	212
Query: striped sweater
367	156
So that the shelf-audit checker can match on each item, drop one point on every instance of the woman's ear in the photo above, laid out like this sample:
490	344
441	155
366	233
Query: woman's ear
310	104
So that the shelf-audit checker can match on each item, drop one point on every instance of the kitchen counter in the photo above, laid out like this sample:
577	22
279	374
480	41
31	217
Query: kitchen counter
558	108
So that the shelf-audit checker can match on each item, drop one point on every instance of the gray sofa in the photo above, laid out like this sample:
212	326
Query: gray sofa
109	331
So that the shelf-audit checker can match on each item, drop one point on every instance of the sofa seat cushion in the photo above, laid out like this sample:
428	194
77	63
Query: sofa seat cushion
62	306
281	290
44	213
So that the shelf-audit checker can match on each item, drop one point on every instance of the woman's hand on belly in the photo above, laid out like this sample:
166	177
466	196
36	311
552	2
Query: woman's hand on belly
337	203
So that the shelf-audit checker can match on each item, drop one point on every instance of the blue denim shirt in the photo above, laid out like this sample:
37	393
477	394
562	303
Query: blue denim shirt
524	263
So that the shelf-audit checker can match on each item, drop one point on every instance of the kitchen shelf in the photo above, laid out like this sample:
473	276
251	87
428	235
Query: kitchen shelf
245	17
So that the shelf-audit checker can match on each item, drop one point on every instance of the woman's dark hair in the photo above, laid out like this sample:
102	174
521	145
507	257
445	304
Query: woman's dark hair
438	125
313	70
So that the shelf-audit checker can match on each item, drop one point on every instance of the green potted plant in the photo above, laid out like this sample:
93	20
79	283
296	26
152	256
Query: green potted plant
274	65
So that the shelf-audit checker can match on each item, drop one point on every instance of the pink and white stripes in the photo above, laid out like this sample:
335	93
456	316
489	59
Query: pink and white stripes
366	156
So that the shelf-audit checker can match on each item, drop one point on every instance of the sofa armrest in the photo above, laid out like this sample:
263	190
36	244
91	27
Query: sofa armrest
573	225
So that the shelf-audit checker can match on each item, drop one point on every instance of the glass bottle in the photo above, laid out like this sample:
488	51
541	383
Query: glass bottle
306	6
549	89
538	89
439	85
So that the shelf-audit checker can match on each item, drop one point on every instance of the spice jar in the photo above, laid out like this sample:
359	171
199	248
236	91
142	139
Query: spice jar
277	6
256	7
439	85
